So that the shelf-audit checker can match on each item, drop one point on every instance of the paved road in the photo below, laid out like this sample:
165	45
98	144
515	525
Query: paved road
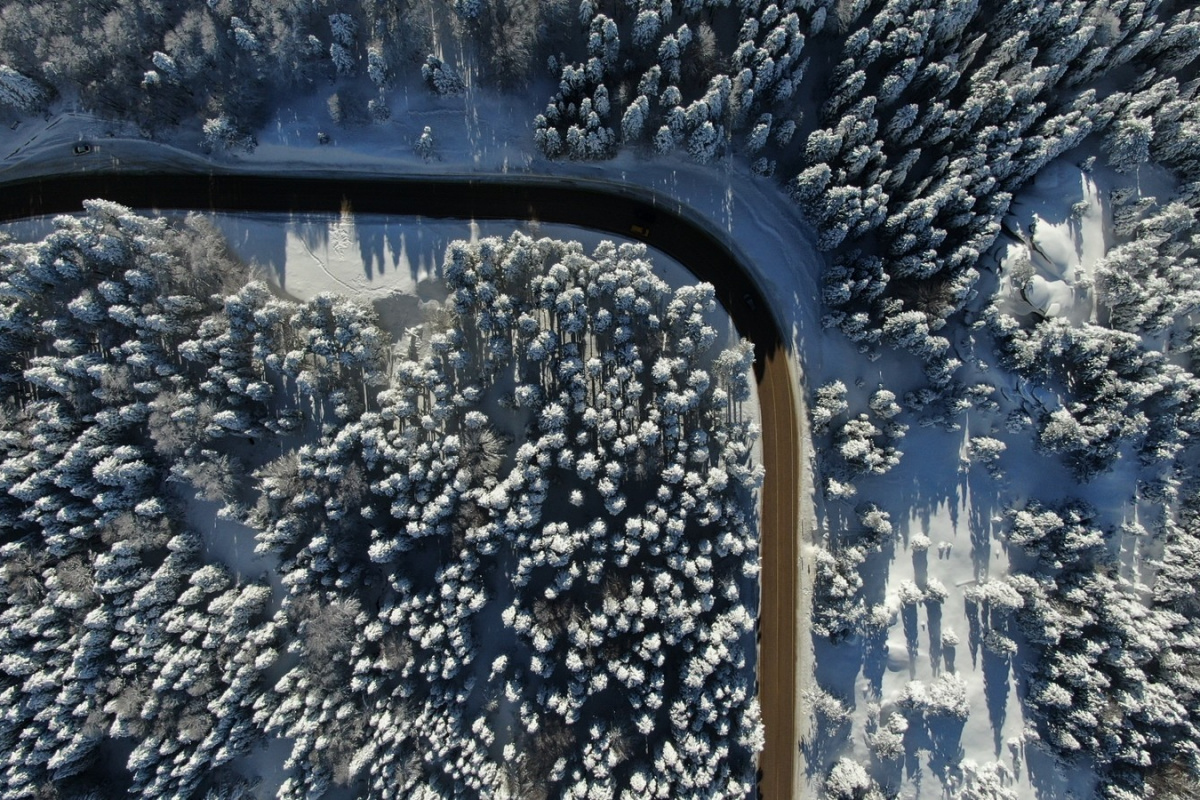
590	207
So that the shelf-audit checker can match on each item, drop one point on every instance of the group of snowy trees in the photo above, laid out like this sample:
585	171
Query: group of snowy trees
637	585
160	64
944	112
903	143
669	80
901	129
928	118
1113	654
863	444
854	446
114	627
1118	392
445	626
936	113
1112	676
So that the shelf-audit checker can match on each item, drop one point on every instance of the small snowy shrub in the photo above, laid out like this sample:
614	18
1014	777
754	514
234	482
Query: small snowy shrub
848	780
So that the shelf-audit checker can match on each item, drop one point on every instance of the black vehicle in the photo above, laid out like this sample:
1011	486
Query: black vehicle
81	148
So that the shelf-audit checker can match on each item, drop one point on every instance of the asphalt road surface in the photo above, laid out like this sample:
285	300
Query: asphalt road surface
589	207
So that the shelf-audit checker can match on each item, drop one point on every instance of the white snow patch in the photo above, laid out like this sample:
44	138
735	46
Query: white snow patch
1059	231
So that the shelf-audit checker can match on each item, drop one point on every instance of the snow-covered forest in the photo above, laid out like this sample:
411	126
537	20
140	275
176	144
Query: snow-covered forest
561	456
1003	407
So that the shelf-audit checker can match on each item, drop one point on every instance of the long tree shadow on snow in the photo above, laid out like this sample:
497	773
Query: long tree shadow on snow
996	670
262	245
940	738
916	504
389	244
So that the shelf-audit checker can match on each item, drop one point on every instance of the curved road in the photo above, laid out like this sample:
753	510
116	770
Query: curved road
561	202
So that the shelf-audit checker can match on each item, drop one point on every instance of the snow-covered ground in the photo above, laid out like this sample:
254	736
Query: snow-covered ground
1057	230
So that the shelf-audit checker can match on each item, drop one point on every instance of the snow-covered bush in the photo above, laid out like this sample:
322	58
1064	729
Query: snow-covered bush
441	78
877	526
838	607
1060	537
828	403
839	490
887	741
986	451
425	145
222	133
946	697
864	449
827	707
848	780
989	781
18	91
883	404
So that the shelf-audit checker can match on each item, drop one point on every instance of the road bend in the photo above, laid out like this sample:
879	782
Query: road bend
613	210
